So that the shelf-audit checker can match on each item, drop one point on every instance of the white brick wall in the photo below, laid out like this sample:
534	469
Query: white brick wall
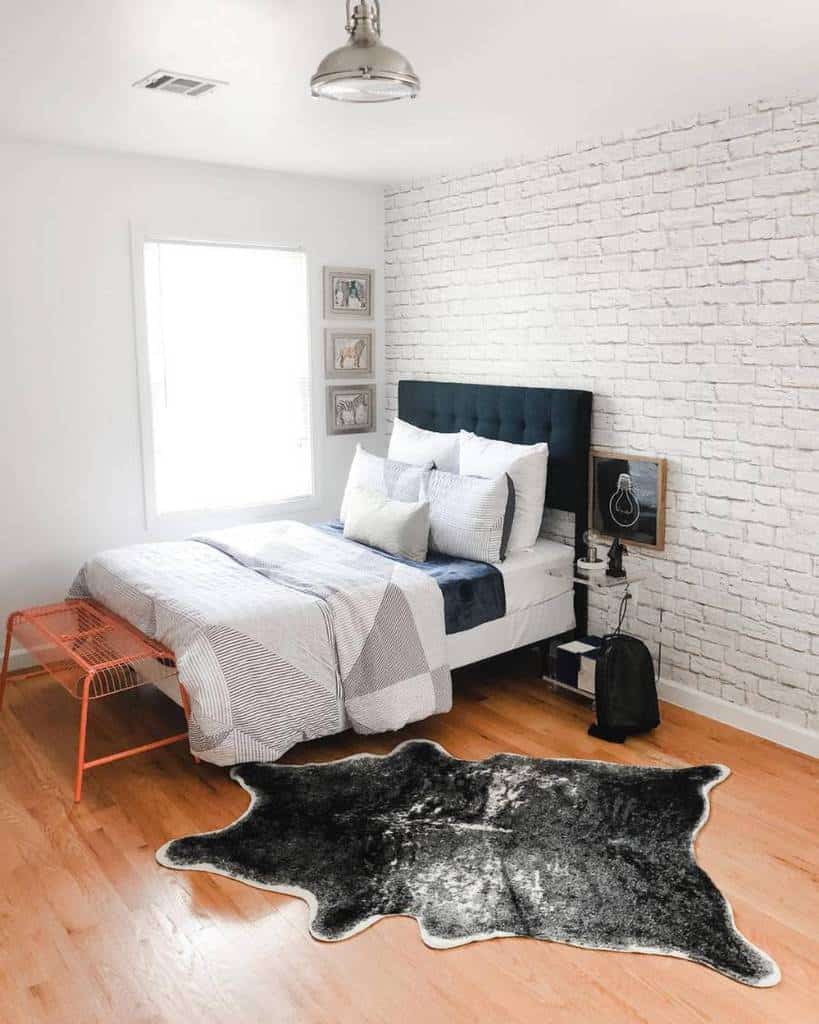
676	275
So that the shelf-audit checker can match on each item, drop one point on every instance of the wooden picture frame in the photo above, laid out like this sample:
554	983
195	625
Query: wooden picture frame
642	495
348	294
351	408
349	352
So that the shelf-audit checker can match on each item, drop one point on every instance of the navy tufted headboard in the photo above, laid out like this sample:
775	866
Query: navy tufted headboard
559	416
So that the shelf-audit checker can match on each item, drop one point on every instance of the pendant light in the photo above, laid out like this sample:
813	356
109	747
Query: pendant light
364	70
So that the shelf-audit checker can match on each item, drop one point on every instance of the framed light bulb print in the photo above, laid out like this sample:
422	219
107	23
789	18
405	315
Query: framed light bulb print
627	498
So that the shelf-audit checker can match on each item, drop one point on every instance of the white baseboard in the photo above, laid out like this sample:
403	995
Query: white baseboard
740	717
784	733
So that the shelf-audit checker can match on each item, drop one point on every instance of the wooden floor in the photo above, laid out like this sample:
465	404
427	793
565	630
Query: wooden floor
91	929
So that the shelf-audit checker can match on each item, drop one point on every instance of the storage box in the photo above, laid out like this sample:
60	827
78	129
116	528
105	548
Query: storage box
576	663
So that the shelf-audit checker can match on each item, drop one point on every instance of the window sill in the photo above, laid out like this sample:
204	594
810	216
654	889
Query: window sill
183	524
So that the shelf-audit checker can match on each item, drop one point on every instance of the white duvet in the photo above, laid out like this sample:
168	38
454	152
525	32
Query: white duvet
282	633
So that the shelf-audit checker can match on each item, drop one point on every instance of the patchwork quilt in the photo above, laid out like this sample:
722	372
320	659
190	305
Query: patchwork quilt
282	633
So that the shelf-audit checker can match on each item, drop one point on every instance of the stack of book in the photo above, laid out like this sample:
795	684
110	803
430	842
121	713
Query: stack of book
576	661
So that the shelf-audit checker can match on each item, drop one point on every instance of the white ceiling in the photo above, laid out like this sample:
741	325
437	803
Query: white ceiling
499	79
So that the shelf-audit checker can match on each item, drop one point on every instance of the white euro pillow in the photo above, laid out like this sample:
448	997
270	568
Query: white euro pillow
469	517
417	446
396	480
526	464
398	527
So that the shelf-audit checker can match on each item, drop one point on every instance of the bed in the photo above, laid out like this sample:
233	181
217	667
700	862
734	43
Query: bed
559	416
539	592
284	632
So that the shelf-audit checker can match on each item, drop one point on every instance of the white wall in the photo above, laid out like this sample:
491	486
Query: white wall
70	463
676	275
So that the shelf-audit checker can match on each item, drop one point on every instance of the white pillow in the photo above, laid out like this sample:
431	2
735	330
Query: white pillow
469	517
419	447
398	527
526	464
392	479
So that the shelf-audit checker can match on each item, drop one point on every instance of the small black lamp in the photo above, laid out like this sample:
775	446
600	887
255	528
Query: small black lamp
615	557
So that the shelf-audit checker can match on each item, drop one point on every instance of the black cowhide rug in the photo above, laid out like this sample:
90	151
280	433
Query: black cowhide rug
593	854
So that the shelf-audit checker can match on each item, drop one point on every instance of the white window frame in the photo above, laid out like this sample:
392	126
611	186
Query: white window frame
178	523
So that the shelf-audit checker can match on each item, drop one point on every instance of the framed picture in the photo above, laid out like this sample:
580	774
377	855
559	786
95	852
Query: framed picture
627	498
350	408
348	353
348	293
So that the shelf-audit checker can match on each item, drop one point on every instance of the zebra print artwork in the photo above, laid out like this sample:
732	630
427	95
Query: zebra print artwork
348	353
350	409
348	293
351	353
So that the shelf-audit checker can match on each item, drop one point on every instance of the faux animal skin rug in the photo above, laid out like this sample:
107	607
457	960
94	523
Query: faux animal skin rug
585	852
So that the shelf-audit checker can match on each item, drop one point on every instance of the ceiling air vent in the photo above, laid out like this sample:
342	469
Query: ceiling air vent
185	85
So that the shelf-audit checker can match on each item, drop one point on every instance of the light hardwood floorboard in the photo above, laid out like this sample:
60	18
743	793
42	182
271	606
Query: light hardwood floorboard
92	930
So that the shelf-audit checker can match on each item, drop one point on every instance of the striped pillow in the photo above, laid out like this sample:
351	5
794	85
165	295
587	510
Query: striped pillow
469	517
395	480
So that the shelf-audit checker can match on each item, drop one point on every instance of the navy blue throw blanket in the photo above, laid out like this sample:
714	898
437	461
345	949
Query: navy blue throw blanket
473	591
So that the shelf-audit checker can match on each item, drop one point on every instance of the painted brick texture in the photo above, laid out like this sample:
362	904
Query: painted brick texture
676	275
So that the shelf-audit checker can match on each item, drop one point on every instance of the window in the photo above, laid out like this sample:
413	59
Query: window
227	378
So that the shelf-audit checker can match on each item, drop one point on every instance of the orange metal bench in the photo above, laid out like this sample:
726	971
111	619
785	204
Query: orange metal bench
91	653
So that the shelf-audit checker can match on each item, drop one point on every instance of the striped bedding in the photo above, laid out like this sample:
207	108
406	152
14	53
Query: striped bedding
282	633
469	516
473	592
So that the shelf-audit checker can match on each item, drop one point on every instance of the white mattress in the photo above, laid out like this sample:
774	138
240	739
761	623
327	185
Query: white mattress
533	576
516	629
539	604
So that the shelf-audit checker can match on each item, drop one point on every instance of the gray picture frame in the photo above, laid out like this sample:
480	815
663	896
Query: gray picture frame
337	342
351	394
341	300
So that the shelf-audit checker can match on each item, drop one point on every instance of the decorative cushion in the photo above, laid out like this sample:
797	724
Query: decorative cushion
419	447
398	527
526	464
396	480
469	517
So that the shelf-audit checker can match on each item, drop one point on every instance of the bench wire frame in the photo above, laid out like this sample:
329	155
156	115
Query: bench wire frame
91	653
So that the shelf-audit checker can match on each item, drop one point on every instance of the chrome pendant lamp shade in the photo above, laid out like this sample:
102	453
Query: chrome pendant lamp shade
364	70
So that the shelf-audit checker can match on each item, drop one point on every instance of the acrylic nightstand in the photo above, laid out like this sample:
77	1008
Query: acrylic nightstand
622	587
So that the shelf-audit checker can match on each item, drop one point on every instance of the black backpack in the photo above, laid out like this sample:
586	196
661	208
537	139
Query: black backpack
624	688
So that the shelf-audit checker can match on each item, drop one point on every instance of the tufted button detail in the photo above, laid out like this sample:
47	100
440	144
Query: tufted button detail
518	414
